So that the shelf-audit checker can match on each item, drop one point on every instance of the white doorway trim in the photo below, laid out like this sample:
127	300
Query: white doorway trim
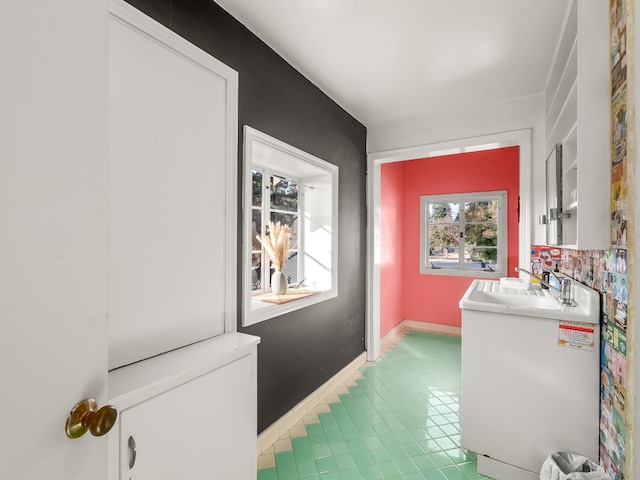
519	138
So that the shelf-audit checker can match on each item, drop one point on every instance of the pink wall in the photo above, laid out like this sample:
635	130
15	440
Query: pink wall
434	298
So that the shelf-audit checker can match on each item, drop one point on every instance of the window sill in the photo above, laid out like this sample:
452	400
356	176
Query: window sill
464	273
281	304
292	294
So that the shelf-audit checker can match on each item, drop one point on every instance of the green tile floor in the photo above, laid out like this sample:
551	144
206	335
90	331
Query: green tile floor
400	421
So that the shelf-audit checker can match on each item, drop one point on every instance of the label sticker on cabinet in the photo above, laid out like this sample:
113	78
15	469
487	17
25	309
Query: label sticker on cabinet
576	335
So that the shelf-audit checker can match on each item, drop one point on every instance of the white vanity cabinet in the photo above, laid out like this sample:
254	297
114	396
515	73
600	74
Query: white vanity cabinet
190	413
530	384
578	101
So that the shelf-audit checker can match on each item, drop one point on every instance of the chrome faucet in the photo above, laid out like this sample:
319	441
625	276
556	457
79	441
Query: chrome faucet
565	286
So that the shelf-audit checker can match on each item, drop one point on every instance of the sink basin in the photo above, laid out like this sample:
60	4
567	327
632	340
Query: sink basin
545	302
490	296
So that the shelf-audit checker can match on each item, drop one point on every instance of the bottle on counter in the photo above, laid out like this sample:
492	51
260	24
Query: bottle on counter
553	280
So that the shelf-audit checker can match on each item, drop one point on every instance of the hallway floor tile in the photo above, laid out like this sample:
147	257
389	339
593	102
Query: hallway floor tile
399	420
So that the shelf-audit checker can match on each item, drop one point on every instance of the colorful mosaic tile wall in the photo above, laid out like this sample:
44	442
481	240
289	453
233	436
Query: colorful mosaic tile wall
610	272
616	406
605	272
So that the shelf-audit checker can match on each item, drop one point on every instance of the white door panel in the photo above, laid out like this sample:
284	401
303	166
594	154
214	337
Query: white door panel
168	130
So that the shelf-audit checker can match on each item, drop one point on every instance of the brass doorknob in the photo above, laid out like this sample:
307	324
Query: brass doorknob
86	416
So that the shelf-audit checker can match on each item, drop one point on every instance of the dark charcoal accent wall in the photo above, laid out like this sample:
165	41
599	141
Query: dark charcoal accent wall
303	349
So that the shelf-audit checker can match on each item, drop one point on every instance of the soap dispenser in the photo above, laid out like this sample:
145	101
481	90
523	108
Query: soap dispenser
545	280
553	279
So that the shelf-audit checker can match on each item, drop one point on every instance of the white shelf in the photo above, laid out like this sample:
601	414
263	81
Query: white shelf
567	82
577	115
561	59
566	119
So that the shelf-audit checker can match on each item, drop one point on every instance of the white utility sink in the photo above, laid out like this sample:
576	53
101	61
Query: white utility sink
491	296
530	376
546	302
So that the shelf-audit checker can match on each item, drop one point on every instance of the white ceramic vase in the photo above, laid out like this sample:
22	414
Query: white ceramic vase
279	282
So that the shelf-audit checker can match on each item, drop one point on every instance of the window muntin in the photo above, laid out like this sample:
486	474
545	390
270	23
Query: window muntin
464	234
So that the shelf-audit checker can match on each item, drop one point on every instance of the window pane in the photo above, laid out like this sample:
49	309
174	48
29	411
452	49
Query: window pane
256	228
443	213
481	234
441	236
256	271
284	194
481	258
291	220
256	196
444	236
447	257
481	211
291	269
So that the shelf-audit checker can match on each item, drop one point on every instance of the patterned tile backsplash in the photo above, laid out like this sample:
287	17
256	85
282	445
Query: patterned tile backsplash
606	272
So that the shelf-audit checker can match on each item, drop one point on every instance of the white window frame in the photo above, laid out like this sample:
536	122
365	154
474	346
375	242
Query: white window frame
461	198
318	221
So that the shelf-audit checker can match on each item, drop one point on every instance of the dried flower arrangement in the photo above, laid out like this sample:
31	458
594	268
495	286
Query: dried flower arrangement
276	243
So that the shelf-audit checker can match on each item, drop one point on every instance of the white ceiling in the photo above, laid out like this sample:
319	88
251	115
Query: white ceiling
386	61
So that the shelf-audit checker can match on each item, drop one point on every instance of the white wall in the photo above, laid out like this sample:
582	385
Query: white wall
515	114
318	233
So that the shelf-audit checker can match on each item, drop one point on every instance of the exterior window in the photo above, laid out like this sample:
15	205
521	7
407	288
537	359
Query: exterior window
287	185
275	199
464	234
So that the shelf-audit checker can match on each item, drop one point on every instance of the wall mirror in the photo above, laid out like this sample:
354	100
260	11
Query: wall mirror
554	196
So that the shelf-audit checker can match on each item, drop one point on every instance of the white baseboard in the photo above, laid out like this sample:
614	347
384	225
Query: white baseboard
285	423
392	336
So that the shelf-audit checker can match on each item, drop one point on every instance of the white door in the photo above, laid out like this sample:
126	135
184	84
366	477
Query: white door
53	237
